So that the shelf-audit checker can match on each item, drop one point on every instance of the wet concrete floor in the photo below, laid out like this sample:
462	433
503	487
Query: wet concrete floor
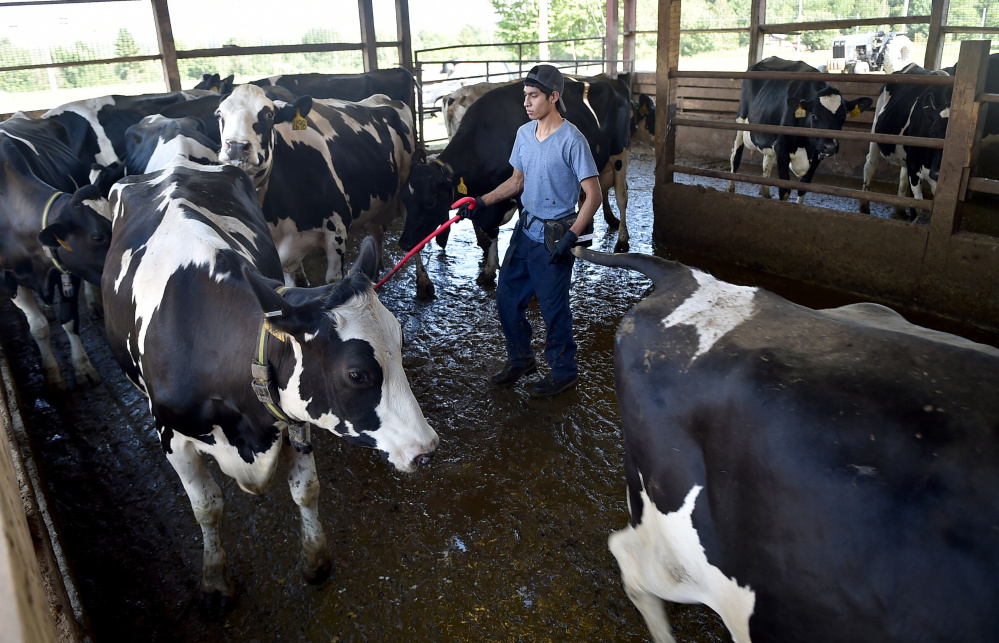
502	538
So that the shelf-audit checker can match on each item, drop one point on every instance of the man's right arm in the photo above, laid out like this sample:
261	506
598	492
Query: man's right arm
507	189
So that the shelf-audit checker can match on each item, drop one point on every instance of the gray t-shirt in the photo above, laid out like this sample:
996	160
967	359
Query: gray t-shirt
553	169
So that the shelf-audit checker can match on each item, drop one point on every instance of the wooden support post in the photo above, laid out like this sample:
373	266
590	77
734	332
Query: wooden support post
630	24
164	35
404	34
935	37
369	50
956	163
667	58
757	17
610	39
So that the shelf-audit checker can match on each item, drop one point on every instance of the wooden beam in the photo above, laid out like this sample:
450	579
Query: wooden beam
961	131
934	39
164	35
757	18
234	50
667	59
822	25
368	46
404	34
630	22
610	39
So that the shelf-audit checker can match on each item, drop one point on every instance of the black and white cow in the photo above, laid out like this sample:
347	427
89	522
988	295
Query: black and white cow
215	83
804	104
154	141
321	167
396	83
96	126
477	159
195	312
910	110
810	475
49	240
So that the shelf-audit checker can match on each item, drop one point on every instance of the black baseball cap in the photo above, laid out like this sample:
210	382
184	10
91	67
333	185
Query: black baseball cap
548	79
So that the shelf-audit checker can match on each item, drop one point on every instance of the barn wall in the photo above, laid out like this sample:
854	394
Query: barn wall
873	259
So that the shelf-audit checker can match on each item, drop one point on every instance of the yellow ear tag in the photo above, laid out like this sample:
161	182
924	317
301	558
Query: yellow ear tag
855	112
800	112
299	123
64	244
462	188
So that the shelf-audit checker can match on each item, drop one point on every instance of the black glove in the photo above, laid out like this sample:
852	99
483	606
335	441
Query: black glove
468	207
560	253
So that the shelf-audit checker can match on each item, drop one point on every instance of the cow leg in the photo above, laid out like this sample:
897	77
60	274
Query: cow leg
491	264
768	168
621	196
304	484
424	287
805	180
39	327
736	159
627	547
335	250
916	183
870	166
903	189
69	317
93	301
607	179
206	500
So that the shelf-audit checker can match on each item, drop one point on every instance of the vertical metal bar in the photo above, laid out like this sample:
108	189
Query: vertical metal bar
164	36
610	38
369	52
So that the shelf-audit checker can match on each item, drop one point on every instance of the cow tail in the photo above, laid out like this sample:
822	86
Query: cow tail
655	268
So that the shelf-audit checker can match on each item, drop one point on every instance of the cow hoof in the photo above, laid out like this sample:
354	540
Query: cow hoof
56	385
613	223
911	214
486	280
88	376
865	207
215	605
425	292
318	574
621	246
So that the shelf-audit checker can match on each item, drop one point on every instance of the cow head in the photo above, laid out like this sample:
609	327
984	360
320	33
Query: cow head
80	233
347	375
427	195
215	83
246	123
936	116
644	109
828	110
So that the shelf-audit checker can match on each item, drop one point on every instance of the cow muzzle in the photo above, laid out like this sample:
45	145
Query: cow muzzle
237	151
828	148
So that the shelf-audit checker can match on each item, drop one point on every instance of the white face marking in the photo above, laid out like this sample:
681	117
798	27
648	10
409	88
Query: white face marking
945	112
100	206
713	310
832	102
239	113
403	432
663	556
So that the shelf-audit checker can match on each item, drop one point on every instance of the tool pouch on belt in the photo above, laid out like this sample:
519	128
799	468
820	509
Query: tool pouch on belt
555	229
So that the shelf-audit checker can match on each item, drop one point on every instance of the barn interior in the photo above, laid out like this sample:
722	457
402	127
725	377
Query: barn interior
940	270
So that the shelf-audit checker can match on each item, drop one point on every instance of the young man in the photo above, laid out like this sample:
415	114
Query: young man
551	161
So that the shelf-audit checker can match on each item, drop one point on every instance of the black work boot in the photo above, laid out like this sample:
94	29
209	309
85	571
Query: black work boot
551	385
511	373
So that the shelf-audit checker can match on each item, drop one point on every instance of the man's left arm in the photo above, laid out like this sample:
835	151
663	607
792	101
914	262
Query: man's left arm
591	188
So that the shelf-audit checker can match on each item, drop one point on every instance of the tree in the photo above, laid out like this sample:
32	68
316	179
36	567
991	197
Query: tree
567	19
125	47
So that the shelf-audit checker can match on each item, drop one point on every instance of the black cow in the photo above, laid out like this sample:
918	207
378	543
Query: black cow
49	239
396	83
152	143
910	110
797	103
811	475
96	126
193	295
336	166
477	159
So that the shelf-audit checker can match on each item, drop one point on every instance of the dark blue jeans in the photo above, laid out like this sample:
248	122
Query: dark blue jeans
526	273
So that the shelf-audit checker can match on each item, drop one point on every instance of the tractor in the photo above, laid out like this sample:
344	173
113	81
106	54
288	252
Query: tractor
861	53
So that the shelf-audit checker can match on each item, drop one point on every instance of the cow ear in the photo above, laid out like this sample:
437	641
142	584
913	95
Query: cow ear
53	234
856	106
301	107
929	103
269	300
367	260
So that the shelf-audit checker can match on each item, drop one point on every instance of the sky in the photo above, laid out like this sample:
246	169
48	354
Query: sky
206	20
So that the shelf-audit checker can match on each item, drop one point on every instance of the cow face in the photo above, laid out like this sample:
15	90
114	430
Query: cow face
246	123
937	117
828	110
427	197
80	233
347	374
